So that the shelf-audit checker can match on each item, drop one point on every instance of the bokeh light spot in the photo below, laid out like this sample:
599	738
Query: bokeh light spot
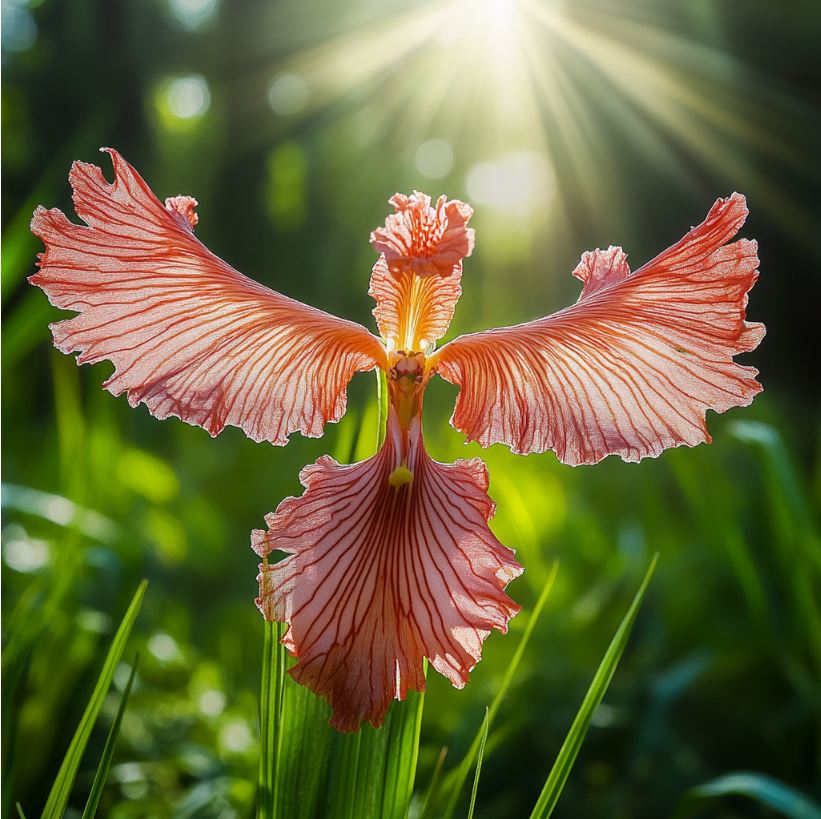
19	31
23	553
188	97
516	183
59	510
96	622
288	94
434	158
192	14
181	102
211	702
235	736
164	647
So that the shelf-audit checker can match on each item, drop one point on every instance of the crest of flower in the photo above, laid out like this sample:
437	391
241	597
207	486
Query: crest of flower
391	560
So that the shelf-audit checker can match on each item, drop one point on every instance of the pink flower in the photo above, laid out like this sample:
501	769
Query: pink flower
391	560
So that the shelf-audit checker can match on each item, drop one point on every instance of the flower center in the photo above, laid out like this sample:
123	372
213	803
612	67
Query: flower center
406	377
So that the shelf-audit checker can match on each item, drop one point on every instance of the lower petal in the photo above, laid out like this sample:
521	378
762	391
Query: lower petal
379	576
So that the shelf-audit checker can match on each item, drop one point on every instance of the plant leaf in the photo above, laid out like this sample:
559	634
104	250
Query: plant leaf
108	751
479	756
460	774
270	711
764	789
575	736
382	405
402	754
434	782
61	789
305	740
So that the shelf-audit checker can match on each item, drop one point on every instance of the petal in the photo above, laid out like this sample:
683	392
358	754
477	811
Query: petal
422	238
188	335
416	280
379	576
413	312
601	268
631	368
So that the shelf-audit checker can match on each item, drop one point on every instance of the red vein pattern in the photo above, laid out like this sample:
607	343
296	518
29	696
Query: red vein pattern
188	335
425	239
416	280
378	577
413	311
632	367
600	268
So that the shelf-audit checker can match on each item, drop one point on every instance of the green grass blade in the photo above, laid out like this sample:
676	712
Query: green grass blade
270	711
357	772
763	789
345	755
402	753
104	767
461	773
20	811
372	771
372	752
570	748
61	789
479	756
305	741
427	803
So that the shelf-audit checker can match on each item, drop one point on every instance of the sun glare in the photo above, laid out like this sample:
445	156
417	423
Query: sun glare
498	15
470	83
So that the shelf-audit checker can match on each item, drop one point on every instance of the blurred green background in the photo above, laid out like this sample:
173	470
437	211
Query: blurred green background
568	126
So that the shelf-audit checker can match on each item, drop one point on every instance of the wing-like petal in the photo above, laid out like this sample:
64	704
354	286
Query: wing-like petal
188	335
632	367
381	573
416	280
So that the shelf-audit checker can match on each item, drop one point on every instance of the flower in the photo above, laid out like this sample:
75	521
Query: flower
391	560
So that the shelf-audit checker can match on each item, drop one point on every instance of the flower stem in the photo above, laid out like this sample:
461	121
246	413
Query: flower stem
273	673
382	404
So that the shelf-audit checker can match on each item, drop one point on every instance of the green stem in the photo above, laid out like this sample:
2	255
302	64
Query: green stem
273	672
382	404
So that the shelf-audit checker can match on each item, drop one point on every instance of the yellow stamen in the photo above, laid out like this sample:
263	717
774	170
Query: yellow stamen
400	476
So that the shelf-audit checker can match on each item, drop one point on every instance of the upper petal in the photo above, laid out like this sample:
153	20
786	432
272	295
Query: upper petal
416	280
188	335
601	268
429	240
413	312
380	575
632	367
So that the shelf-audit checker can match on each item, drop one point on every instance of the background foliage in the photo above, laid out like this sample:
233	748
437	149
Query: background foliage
568	126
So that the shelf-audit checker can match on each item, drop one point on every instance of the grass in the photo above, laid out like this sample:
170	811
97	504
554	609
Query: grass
61	788
571	746
724	633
